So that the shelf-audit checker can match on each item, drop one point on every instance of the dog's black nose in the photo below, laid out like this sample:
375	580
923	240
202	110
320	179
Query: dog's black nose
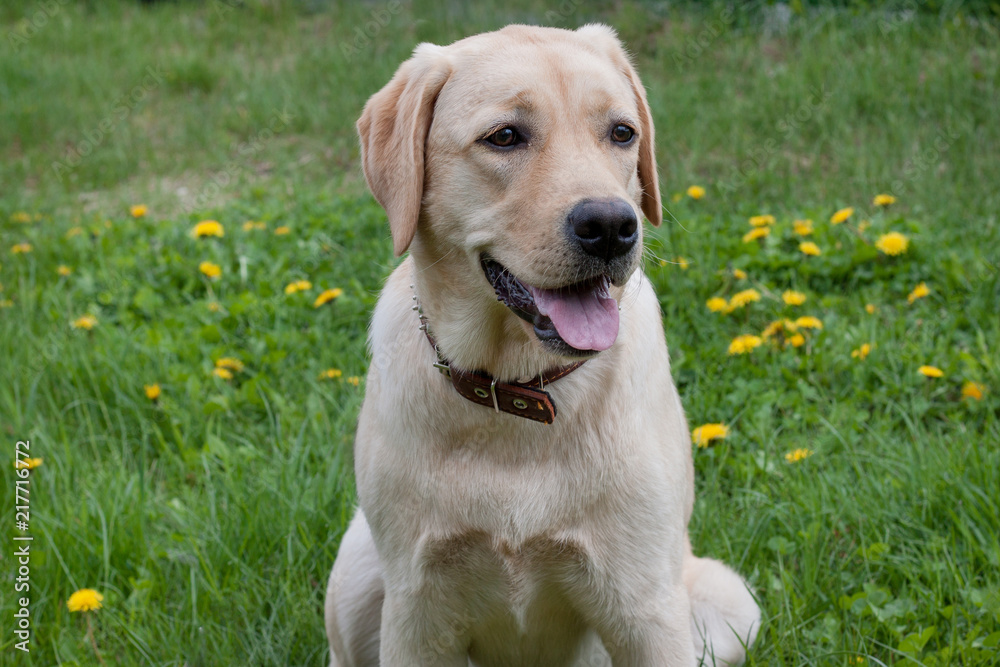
604	228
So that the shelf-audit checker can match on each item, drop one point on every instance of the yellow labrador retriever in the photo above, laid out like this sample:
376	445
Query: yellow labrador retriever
523	461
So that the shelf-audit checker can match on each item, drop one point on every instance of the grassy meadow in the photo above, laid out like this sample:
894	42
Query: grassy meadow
194	408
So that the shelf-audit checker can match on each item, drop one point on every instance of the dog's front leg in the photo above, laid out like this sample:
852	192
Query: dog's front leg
415	634
654	633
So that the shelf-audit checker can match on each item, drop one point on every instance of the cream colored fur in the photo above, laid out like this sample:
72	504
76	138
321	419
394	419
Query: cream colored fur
483	538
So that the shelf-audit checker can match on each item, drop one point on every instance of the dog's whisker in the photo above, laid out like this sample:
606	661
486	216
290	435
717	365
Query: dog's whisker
439	260
675	218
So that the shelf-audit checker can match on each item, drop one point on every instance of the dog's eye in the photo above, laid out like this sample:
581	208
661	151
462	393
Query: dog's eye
505	137
622	134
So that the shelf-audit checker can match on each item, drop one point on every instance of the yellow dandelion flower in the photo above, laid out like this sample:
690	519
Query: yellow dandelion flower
85	599
841	216
884	200
682	263
931	371
796	340
762	220
281	231
74	231
739	274
29	463
330	374
21	248
717	304
892	243
863	225
797	455
231	363
696	192
354	379
326	296
250	225
208	228
756	233
808	322
138	211
862	352
870	308
223	373
211	270
706	433
6	303
298	286
793	298
773	329
21	217
745	343
64	270
973	390
919	292
152	391
803	227
742	298
214	306
87	322
810	248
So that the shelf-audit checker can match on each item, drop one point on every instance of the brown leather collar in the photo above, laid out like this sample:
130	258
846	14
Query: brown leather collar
523	399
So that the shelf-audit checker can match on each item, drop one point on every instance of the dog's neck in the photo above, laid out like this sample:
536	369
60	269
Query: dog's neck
522	399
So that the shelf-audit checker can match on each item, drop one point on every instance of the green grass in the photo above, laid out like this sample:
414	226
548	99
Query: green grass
210	518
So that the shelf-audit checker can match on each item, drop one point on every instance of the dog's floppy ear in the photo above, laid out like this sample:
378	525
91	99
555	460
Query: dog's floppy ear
393	129
600	34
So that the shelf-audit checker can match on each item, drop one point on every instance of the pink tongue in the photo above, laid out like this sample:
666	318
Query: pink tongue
587	320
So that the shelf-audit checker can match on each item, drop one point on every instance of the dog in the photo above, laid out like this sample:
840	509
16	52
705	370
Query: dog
522	458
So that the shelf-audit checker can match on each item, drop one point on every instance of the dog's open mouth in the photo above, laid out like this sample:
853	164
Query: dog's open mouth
575	320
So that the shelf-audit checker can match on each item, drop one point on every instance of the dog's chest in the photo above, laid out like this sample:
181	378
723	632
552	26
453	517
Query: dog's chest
521	606
516	563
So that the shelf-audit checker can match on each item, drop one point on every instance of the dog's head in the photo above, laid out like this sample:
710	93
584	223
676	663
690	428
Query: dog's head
525	156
